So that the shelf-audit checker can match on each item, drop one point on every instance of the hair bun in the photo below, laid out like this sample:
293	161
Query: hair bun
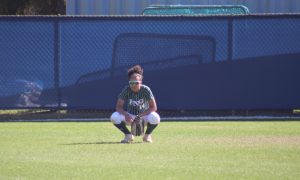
135	69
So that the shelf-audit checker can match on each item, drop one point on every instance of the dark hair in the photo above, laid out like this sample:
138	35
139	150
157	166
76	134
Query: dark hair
135	70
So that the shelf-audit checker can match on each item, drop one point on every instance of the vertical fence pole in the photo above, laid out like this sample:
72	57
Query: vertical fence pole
57	61
230	39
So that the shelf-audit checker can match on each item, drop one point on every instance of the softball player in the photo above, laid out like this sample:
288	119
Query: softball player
139	101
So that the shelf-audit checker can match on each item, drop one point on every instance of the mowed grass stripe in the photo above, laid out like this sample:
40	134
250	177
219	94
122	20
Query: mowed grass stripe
181	150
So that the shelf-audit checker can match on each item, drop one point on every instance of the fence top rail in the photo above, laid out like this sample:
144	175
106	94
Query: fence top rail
146	17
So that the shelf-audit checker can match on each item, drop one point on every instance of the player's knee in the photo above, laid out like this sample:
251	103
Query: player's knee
153	118
116	118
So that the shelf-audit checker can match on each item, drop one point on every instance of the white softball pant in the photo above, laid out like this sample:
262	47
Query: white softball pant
152	118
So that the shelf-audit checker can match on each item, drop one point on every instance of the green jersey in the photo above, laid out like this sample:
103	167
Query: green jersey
136	102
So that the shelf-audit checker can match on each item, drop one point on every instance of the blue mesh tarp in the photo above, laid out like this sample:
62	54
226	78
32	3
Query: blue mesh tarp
218	62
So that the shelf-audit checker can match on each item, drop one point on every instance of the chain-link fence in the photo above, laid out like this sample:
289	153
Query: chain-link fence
195	66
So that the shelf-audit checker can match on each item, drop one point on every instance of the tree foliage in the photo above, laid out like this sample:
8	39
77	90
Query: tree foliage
32	7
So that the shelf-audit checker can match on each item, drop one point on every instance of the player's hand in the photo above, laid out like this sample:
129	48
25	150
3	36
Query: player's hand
128	118
137	119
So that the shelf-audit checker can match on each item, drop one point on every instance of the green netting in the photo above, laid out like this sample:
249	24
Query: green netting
196	10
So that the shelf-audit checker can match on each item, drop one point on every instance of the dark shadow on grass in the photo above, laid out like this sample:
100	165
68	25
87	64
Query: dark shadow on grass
103	142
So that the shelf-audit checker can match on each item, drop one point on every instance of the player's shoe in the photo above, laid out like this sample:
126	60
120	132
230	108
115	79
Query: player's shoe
147	138
128	138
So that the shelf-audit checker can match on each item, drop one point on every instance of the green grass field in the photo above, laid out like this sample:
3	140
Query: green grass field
181	150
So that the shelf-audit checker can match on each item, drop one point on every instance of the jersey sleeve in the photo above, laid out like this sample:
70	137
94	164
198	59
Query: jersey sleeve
124	94
148	93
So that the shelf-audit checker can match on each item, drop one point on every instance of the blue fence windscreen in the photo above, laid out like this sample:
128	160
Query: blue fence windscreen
218	62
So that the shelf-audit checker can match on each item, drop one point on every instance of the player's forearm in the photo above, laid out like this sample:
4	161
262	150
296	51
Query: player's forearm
148	111
121	111
152	108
